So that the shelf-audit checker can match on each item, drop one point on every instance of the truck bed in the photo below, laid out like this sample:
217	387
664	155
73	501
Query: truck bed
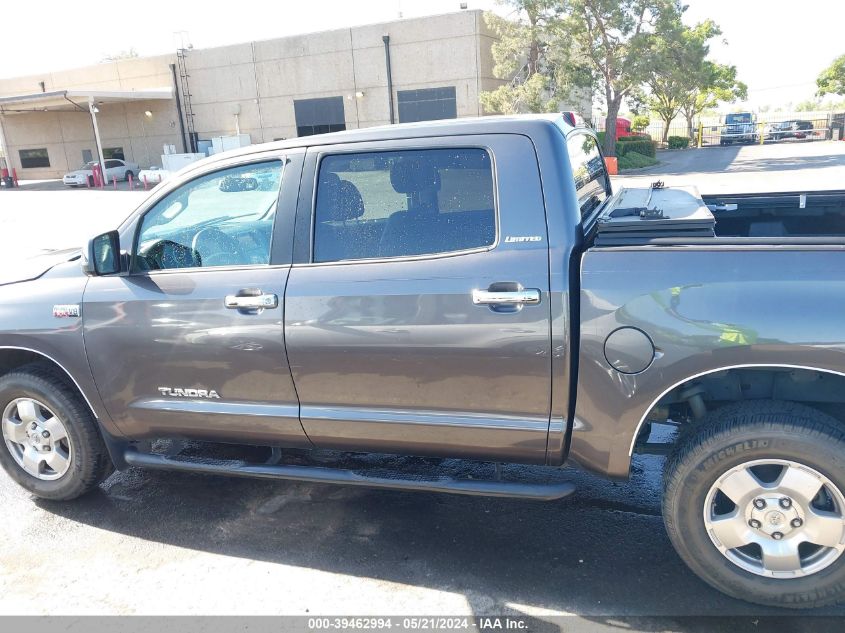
807	218
779	215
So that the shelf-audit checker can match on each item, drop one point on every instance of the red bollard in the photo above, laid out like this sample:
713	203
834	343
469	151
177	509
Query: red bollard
145	182
129	179
115	182
15	177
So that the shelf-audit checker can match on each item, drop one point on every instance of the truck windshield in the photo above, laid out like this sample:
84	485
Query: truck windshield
743	117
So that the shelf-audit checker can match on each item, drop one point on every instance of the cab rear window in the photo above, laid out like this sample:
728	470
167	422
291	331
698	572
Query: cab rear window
591	180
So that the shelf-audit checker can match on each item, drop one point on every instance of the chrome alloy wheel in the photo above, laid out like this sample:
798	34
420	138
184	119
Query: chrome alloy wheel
37	439
776	518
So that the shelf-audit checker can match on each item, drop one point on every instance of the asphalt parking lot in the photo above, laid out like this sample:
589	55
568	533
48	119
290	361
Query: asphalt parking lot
785	166
169	543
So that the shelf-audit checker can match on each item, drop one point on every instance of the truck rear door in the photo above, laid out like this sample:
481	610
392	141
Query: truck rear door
417	311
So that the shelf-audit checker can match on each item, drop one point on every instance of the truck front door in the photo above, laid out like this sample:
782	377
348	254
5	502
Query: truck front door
417	310
190	342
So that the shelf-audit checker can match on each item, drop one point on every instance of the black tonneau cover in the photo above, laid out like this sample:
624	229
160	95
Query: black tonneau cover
636	215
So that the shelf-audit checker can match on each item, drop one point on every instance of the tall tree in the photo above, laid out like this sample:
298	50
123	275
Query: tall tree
613	37
676	60
832	79
527	54
713	83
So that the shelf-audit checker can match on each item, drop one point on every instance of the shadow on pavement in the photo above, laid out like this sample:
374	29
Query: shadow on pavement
601	553
727	159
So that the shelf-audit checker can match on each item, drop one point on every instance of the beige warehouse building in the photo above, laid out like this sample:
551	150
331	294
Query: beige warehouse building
271	89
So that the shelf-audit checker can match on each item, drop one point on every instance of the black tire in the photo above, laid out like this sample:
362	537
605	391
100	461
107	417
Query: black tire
725	439
128	175
89	460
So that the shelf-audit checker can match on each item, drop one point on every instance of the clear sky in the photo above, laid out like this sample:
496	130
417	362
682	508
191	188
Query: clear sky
778	46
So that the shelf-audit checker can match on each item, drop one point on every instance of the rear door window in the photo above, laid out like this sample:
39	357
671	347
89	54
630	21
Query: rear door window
403	203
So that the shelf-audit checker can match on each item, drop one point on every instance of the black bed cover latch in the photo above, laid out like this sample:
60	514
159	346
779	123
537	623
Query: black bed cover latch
643	212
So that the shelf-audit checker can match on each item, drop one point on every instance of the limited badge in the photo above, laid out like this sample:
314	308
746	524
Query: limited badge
66	310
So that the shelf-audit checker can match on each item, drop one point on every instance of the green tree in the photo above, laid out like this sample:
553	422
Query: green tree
613	38
832	79
528	53
639	122
677	56
129	53
713	83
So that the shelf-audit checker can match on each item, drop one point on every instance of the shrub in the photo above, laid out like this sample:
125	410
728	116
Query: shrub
633	160
678	142
640	122
640	143
636	137
634	144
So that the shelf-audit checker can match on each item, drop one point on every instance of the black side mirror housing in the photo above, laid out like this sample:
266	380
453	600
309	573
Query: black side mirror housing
102	255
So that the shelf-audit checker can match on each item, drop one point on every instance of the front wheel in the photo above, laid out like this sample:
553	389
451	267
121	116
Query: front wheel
754	503
51	445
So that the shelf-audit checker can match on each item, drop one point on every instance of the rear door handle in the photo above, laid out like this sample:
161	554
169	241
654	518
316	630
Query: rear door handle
505	297
251	302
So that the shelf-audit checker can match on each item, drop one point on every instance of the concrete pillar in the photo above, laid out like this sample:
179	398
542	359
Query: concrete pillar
4	145
93	110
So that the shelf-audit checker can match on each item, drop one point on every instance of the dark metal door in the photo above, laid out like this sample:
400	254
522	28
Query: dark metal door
444	354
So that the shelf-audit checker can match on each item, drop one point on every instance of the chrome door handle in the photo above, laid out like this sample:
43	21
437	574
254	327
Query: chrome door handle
257	302
515	297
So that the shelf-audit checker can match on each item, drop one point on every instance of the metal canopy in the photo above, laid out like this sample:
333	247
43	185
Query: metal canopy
74	99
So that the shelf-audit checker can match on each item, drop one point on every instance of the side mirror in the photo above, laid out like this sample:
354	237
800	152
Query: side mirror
102	255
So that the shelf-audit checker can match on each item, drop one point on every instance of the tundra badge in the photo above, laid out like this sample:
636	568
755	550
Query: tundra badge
178	392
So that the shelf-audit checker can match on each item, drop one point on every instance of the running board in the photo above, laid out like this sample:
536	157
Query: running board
319	474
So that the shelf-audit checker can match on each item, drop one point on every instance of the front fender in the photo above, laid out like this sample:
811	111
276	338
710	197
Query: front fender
27	323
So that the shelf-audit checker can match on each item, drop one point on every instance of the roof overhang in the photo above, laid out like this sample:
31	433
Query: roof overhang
77	99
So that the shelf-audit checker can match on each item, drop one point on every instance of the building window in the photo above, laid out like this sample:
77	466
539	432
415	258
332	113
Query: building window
113	152
427	104
31	158
318	116
401	203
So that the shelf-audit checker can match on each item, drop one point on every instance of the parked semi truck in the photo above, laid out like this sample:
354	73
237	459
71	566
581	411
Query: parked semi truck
471	289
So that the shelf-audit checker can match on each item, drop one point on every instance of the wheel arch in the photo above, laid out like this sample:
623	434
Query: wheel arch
763	368
12	357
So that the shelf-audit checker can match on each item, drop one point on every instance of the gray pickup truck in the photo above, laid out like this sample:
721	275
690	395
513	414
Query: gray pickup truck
469	289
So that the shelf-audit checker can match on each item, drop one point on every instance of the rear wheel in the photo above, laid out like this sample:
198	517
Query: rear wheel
754	502
50	442
128	175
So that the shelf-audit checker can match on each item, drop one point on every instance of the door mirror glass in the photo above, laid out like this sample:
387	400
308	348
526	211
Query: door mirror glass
103	254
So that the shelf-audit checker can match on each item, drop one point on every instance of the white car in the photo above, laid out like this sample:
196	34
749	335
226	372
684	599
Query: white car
153	176
115	168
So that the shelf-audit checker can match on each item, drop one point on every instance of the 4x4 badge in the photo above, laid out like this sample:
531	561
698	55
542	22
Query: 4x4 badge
66	310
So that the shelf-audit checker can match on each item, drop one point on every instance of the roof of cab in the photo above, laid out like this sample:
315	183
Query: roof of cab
515	124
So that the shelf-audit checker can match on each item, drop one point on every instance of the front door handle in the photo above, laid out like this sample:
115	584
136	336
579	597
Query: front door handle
251	302
506	297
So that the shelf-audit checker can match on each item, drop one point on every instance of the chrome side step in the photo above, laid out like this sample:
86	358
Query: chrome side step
319	474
